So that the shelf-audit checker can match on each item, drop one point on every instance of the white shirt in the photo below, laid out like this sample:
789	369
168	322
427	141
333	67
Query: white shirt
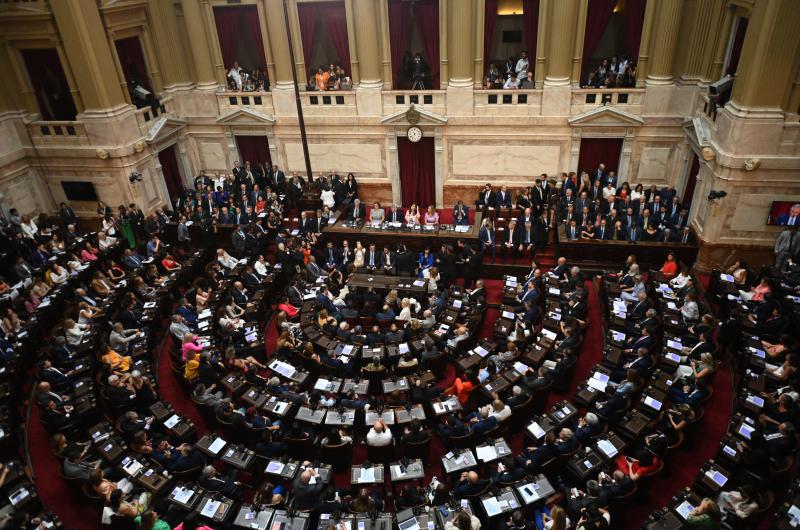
261	268
29	229
522	68
107	242
226	260
379	439
236	75
511	83
608	192
327	198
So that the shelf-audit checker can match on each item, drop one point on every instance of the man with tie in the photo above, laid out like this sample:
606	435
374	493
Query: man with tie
277	179
372	260
131	260
486	197
527	239
387	260
641	306
603	233
331	256
790	218
786	246
572	230
486	236
461	214
635	233
680	220
598	174
685	237
511	239
395	215
503	198
358	211
313	271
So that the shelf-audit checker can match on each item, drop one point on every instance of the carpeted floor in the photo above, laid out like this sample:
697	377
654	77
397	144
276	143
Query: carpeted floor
76	512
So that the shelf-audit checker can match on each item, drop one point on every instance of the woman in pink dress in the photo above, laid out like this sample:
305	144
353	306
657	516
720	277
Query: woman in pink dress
431	216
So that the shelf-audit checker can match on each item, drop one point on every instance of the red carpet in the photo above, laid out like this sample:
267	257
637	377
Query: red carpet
679	474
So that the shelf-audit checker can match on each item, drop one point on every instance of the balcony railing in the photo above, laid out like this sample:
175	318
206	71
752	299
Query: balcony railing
397	100
508	102
230	101
44	133
628	98
146	115
329	103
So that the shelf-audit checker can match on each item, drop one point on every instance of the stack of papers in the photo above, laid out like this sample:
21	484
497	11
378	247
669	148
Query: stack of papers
172	421
217	446
210	508
492	506
486	453
367	474
182	495
607	448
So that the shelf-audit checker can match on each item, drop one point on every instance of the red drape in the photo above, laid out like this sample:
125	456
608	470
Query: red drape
307	13
335	18
417	172
634	22
595	151
489	17
597	19
131	58
254	149
49	84
227	22
253	27
530	15
399	25
426	14
169	168
736	49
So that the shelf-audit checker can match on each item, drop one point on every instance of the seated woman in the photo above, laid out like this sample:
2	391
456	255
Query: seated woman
191	370
189	345
89	253
740	503
101	285
337	436
698	370
757	293
242	364
739	272
785	371
117	362
170	264
587	231
412	216
376	214
114	271
74	332
270	495
410	497
105	241
11	323
704	516
645	463
366	502
676	420
87	313
232	309
289	310
228	325
425	261
104	487
431	216
670	267
779	349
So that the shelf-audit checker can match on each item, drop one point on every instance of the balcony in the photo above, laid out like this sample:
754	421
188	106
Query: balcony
628	99
146	115
58	133
399	100
232	101
508	102
331	103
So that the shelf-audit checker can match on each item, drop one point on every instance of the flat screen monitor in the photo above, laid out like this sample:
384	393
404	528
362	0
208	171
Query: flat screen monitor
784	213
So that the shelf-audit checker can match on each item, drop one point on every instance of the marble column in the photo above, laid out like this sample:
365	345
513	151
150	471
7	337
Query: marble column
168	48
643	61
198	44
282	84
707	16
89	54
368	91
663	40
767	65
562	22
542	34
10	94
479	68
352	43
461	34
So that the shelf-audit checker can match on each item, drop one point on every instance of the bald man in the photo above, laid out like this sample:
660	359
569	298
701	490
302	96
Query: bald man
306	493
379	435
469	485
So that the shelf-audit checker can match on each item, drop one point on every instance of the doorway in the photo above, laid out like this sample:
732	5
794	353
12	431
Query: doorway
691	181
171	172
254	149
596	151
417	172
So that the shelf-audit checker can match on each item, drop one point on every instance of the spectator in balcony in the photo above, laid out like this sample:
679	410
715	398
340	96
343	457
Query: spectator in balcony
494	79
512	82
321	78
521	68
528	82
235	76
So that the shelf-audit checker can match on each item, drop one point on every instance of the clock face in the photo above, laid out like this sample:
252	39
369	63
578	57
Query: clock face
414	134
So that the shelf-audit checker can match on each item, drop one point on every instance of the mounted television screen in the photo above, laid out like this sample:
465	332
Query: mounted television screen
784	213
79	191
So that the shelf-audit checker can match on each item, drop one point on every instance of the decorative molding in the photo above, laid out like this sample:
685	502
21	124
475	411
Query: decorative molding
423	117
605	116
163	127
246	116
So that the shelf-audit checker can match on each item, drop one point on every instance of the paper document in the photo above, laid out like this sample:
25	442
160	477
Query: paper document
210	508
217	446
275	467
367	474
182	495
607	448
529	492
486	453
172	421
492	506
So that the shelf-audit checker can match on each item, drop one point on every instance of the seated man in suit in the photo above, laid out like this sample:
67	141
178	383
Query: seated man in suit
313	271
532	458
394	215
373	260
507	472
617	485
469	484
642	305
502	198
461	214
511	240
358	212
588	428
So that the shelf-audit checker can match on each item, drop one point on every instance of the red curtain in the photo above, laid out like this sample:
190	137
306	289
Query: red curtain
169	168
254	149
253	27
49	84
307	13
736	49
399	26
596	21
595	151
335	19
530	15
227	22
131	58
417	172
490	14
426	14
634	22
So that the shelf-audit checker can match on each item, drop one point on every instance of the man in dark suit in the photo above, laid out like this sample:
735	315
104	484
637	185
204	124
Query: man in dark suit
603	233
502	198
372	259
394	215
572	230
486	236
66	215
358	212
790	218
634	234
276	179
212	481
313	271
486	197
461	214
511	239
598	174
470	484
680	220
331	257
241	218
239	240
239	294
641	306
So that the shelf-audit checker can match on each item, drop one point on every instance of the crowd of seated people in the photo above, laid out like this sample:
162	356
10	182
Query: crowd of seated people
240	80
612	73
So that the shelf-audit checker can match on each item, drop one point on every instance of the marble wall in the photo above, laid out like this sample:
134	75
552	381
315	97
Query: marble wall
506	161
359	158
